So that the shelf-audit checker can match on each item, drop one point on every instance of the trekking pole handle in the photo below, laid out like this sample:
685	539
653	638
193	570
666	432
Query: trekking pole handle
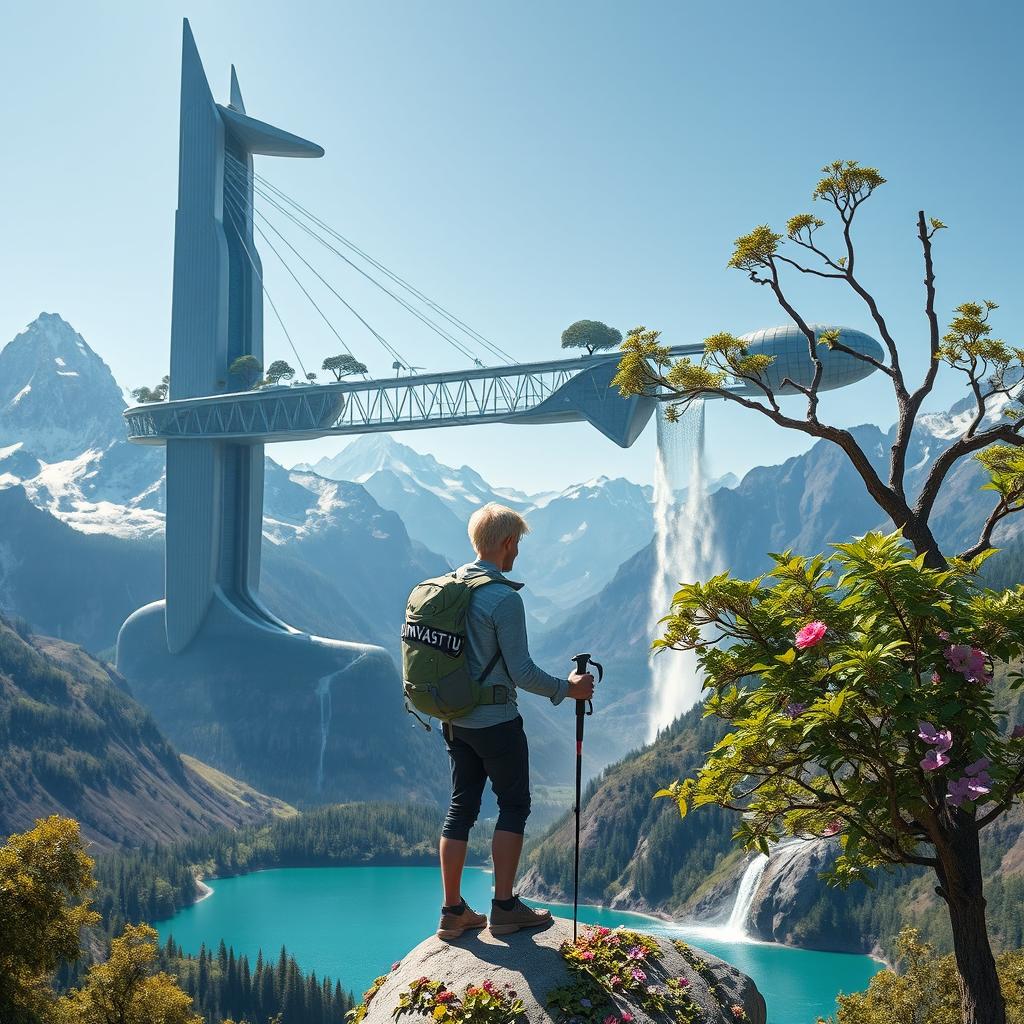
583	665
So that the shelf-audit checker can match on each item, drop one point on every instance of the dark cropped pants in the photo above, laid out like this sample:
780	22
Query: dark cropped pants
499	753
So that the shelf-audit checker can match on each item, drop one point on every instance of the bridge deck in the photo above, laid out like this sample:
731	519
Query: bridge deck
517	393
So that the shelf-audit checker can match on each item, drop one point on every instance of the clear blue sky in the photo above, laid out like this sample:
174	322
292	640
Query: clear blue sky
526	164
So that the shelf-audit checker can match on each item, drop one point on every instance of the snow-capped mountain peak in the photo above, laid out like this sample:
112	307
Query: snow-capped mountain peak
57	397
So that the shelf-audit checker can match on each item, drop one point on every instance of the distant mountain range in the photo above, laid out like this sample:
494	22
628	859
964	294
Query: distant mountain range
81	521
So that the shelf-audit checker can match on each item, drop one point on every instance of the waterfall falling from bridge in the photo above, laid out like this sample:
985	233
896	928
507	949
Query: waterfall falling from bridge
685	550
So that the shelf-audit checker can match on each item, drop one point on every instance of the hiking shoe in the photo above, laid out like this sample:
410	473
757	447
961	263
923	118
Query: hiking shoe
504	922
453	925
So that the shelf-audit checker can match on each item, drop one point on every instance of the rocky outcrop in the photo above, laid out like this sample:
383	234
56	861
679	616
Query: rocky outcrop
789	888
532	964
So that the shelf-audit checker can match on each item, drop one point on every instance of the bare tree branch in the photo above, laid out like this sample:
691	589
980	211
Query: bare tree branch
984	542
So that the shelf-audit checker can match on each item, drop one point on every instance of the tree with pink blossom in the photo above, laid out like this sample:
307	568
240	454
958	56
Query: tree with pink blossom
884	731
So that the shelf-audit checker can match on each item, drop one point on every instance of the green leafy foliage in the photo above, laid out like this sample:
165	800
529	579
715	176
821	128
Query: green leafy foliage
246	369
486	1003
127	989
45	880
591	335
278	371
607	966
924	990
157	394
343	366
834	677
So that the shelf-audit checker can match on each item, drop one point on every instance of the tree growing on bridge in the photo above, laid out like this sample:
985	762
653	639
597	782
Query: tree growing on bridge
278	371
157	394
874	717
591	335
343	366
246	368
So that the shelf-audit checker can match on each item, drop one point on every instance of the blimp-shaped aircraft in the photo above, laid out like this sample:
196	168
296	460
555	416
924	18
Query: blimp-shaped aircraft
792	362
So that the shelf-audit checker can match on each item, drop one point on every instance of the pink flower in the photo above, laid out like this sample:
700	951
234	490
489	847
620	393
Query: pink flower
627	1017
934	759
396	965
683	982
941	739
638	975
833	828
616	981
810	635
488	987
444	996
968	788
611	1019
737	1011
970	662
936	678
636	953
587	954
1018	733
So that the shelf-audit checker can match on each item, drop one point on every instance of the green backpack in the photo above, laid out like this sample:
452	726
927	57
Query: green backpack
435	671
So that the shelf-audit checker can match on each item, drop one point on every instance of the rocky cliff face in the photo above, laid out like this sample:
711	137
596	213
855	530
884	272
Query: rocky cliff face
788	890
532	965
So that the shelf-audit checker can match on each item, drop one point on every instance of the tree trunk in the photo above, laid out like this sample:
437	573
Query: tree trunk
924	543
959	871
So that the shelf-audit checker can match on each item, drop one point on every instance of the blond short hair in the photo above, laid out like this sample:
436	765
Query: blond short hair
492	524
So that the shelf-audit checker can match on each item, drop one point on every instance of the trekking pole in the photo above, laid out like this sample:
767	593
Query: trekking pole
583	708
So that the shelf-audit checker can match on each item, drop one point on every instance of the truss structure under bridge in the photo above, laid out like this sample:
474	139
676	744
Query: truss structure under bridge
557	391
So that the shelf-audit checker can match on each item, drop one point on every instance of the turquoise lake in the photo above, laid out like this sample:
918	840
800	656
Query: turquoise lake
353	923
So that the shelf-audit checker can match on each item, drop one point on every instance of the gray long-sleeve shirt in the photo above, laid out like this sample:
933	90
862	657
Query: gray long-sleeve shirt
497	621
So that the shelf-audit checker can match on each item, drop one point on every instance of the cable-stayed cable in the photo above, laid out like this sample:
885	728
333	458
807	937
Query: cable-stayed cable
437	329
273	306
398	279
233	198
388	347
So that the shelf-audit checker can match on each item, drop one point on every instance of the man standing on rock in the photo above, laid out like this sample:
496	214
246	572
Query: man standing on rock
489	741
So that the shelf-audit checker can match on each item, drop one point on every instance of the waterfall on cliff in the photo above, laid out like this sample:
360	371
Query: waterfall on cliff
684	551
323	692
735	928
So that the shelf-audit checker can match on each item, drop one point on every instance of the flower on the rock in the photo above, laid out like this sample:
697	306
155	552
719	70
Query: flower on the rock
810	635
444	996
638	975
627	1018
396	965
737	1012
636	953
683	982
833	828
936	678
615	981
610	1019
